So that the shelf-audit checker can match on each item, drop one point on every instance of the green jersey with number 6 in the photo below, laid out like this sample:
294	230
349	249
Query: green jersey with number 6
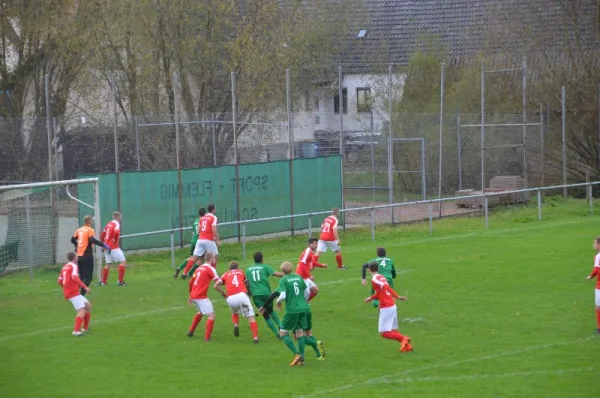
258	279
293	286
386	268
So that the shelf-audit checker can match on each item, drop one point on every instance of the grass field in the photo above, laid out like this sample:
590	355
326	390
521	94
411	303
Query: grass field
492	313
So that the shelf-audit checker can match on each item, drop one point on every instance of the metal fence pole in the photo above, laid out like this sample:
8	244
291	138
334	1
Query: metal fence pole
564	140
137	144
29	235
390	145
113	83
423	174
243	232
373	224
342	149
235	152
288	97
591	199
98	221
459	144
542	148
539	204
173	249
485	210
178	153
309	226
525	165
49	133
482	125
372	157
599	128
430	215
440	156
214	139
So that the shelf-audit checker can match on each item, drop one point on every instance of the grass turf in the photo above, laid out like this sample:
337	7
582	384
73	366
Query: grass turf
498	312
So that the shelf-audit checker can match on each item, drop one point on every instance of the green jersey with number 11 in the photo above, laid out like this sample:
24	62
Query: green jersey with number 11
293	286
258	279
195	230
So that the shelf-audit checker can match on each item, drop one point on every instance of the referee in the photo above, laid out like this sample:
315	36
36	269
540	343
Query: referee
83	239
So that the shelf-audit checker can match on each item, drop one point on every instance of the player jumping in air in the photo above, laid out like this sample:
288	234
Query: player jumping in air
596	274
388	313
306	263
193	241
70	282
110	236
237	299
294	291
198	288
208	239
257	278
386	268
329	238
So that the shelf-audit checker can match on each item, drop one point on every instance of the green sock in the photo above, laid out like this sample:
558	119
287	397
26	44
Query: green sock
182	265
289	343
272	326
301	345
311	341
275	317
193	269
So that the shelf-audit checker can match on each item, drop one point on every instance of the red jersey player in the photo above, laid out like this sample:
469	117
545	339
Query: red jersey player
237	298
306	263
208	238
110	236
198	287
596	274
329	238
70	282
388	313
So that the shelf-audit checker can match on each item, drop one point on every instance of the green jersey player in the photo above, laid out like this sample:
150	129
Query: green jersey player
201	212
257	279
386	268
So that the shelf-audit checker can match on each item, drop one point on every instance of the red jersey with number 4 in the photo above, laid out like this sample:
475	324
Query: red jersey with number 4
69	280
205	226
383	292
201	280
111	234
596	270
329	224
234	281
305	263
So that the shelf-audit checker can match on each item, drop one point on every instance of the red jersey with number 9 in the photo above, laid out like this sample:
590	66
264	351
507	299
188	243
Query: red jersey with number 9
329	224
234	281
205	226
200	281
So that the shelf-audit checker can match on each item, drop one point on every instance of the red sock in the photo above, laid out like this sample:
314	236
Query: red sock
235	318
312	296
392	335
105	275
121	273
209	328
86	320
195	322
254	328
598	317
188	266
338	259
78	321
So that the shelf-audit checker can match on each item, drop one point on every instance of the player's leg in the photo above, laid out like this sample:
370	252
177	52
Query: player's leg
310	340
196	320
199	251
334	247
321	248
597	302
184	262
118	256
259	301
79	305
210	322
87	316
235	307
289	324
248	312
314	290
108	259
86	270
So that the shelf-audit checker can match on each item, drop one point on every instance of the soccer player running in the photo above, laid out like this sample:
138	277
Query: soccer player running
388	313
83	239
596	274
257	279
70	282
294	291
208	238
237	299
329	238
195	226
386	268
198	288
110	236
306	263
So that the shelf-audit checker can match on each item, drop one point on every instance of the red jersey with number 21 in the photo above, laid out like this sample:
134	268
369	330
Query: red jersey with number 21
205	226
329	224
383	292
201	280
234	281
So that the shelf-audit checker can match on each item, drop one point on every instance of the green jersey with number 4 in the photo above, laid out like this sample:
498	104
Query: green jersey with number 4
386	268
258	279
293	286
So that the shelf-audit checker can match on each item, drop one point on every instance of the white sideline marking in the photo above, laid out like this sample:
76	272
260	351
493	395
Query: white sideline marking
386	378
119	318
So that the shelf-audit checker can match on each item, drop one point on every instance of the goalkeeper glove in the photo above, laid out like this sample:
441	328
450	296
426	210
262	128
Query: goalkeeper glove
107	248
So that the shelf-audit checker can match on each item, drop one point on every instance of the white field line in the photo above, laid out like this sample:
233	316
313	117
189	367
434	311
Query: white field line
389	377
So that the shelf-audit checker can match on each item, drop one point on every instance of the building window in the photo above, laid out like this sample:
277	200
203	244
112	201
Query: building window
317	119
306	101
363	99
336	101
316	100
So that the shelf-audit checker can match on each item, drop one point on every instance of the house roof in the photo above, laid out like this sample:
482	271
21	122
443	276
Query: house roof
394	28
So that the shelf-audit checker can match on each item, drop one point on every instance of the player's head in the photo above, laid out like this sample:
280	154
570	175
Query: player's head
88	220
335	211
72	257
117	215
201	211
380	252
597	243
258	257
313	243
286	268
211	208
210	258
234	265
373	267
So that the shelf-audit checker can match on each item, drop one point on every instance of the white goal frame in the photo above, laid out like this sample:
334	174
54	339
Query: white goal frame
65	183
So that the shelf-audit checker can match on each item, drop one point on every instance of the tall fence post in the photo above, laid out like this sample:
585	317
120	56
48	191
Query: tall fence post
178	153
342	144
113	80
309	225
137	144
372	224
430	215
172	249
235	152
243	232
29	235
590	199
486	210
542	148
539	204
459	144
49	134
525	160
564	140
214	138
482	125
441	143
288	98
390	145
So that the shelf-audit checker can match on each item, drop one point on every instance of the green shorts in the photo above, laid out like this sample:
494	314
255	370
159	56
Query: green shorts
293	322
308	321
259	301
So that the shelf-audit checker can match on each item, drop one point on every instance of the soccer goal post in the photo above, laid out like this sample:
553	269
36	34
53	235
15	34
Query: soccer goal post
37	221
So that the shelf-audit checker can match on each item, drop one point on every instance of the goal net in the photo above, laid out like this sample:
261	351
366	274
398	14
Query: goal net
37	221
